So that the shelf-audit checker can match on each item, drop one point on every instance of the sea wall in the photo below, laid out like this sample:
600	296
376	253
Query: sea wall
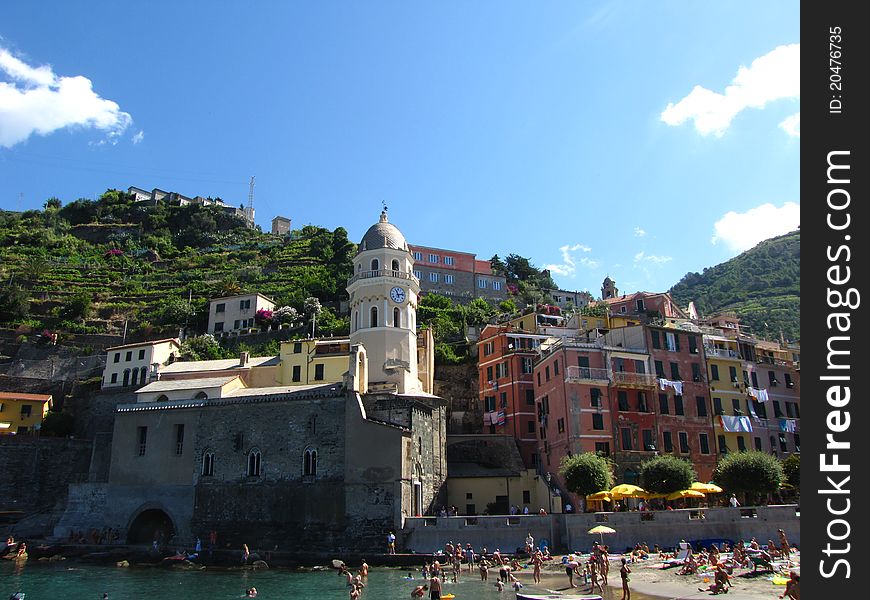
563	532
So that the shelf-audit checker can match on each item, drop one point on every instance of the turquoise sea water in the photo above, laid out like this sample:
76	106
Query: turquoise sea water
64	581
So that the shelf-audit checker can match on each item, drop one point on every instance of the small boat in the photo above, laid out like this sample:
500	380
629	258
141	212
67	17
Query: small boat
534	596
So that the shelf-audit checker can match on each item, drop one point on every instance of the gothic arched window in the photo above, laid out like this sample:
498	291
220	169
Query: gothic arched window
375	264
208	463
309	462
374	319
254	463
397	318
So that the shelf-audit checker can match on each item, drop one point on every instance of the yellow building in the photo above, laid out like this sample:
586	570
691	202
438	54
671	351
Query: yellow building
22	413
305	362
728	392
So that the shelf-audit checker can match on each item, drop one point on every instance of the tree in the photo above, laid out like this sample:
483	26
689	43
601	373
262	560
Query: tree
478	312
14	303
77	308
586	473
52	203
666	473
753	473
313	309
202	347
791	467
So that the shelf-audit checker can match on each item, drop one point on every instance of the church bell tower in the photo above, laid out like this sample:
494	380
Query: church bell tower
383	307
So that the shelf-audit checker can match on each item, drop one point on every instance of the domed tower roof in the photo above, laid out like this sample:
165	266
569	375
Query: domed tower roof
383	234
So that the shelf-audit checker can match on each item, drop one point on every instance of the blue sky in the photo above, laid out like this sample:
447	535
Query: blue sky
642	140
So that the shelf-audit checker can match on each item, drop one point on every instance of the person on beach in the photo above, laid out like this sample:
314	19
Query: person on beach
499	586
418	591
469	557
355	591
604	561
434	588
483	565
624	571
793	587
593	576
784	546
391	543
530	543
733	501
537	561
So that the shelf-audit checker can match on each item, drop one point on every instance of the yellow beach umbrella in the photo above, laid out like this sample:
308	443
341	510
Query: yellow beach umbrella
601	530
651	495
627	490
685	494
706	488
602	495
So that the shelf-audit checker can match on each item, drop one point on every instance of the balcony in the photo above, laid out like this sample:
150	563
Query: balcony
633	379
586	375
383	273
721	352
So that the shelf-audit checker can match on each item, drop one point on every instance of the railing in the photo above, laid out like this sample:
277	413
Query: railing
383	273
577	374
721	352
624	378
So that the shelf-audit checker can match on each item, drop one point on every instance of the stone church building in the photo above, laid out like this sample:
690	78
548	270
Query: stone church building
327	467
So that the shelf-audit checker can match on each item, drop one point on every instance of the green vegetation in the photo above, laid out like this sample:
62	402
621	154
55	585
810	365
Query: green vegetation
530	284
791	467
762	286
752	473
666	473
586	473
96	266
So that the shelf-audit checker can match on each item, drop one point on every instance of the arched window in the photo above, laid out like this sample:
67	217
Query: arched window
208	463
143	372
375	264
254	463
397	318
309	462
163	398
374	319
135	377
395	265
355	320
126	377
201	396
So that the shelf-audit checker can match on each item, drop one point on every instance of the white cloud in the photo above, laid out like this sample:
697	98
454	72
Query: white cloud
774	76
792	125
138	137
570	262
643	258
638	232
742	231
33	100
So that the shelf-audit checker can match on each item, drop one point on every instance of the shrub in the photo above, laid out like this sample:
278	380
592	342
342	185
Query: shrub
586	473
665	474
753	473
791	467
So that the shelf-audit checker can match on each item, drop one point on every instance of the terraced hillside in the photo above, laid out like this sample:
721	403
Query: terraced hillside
98	266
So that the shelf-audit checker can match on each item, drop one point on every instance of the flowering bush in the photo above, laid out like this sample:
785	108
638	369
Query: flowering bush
263	316
285	314
113	253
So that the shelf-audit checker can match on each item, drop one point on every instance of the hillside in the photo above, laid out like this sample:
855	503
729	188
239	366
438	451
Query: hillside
762	286
96	267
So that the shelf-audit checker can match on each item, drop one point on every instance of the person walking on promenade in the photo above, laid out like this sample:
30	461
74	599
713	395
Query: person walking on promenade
624	571
733	501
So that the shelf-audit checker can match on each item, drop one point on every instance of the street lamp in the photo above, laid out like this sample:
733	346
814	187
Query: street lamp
549	494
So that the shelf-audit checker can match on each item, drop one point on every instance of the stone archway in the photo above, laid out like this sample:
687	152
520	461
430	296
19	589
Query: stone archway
149	525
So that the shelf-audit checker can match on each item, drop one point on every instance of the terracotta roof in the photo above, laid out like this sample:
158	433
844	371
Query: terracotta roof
22	396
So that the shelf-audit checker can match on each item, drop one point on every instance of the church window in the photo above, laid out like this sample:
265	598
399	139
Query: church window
135	377
355	320
374	317
208	463
397	320
254	463
309	462
395	265
375	264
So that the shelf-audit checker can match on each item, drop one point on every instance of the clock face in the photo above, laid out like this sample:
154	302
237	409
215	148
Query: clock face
397	294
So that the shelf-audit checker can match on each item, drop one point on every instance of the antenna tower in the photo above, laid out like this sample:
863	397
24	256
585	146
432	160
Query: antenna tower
250	211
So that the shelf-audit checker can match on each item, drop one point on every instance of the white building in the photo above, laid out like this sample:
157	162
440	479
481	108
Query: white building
234	313
137	364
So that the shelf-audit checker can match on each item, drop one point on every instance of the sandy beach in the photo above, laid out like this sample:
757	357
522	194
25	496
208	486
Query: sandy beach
649	581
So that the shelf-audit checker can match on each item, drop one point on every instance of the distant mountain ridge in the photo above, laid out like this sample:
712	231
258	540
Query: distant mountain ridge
761	285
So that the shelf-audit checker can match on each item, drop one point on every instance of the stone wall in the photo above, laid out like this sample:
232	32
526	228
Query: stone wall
37	471
567	532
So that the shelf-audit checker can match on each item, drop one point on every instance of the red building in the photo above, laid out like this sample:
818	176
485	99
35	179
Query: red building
505	365
683	397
